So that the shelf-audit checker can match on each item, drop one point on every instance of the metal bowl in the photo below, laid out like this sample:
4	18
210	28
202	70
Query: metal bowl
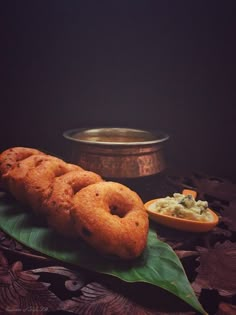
118	152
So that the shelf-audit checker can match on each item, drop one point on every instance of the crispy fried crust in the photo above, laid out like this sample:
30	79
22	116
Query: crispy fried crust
112	219
77	203
39	181
9	159
61	199
35	174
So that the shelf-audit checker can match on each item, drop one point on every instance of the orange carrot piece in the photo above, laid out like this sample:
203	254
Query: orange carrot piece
190	192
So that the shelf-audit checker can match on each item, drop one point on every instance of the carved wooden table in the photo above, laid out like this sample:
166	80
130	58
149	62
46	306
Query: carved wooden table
46	286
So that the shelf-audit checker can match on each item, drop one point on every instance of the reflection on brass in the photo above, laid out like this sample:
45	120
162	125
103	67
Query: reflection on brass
113	135
118	152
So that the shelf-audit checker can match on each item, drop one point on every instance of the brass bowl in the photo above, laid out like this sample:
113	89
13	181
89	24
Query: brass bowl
118	152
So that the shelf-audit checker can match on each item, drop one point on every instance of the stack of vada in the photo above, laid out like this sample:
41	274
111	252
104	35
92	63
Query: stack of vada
75	202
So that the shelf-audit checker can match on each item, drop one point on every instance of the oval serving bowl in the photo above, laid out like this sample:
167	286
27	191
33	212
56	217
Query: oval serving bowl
179	223
118	152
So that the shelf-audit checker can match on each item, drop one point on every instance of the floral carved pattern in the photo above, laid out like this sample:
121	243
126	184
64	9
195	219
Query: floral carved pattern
217	269
96	298
35	284
21	290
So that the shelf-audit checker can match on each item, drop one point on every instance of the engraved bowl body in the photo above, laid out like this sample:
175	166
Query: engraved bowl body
118	152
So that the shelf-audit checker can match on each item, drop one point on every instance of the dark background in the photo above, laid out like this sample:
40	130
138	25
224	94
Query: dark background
166	65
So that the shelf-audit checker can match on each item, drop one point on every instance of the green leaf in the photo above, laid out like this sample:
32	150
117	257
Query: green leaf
158	265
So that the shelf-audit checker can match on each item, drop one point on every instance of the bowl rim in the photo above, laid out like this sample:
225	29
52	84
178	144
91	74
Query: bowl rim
161	136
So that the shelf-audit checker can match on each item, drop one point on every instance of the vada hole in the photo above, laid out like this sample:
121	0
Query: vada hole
114	210
60	171
38	163
76	187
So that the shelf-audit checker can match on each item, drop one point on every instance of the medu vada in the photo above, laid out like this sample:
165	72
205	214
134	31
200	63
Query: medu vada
39	180
10	157
60	201
15	177
111	218
77	203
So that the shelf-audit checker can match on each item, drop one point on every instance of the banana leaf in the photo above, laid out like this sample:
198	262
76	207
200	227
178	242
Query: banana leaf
158	265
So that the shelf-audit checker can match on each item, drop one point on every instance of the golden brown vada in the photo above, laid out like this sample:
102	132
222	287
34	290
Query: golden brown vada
112	219
9	159
15	177
39	180
77	203
60	201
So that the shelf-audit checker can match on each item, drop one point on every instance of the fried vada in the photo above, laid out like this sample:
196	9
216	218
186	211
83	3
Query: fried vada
109	216
61	200
39	180
112	219
9	159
